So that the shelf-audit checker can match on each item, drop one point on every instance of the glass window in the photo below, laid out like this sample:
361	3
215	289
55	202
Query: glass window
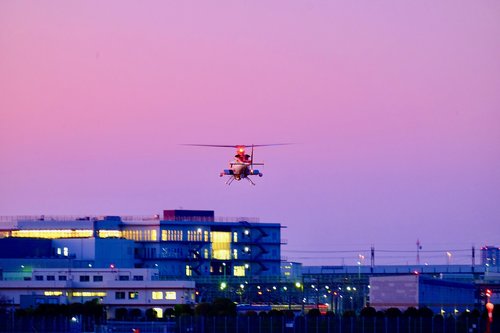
133	294
84	278
171	295
189	272
157	295
138	278
38	277
51	278
123	277
97	278
62	278
239	270
221	245
120	295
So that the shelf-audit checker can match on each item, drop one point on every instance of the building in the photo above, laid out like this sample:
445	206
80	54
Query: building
490	256
138	289
404	291
179	244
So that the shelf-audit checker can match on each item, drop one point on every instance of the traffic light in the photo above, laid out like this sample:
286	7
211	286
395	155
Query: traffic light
488	293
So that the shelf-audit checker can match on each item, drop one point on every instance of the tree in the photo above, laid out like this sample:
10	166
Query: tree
203	309
135	313
314	313
224	307
393	313
368	311
411	312
275	313
151	314
121	314
425	312
182	309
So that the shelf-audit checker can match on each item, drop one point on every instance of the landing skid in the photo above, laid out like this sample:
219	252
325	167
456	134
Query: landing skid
230	180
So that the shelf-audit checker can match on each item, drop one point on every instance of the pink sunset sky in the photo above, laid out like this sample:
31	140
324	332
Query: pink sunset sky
394	106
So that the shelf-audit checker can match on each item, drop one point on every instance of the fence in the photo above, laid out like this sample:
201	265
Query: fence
256	324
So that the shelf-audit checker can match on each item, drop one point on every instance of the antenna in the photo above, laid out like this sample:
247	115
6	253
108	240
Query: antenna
419	247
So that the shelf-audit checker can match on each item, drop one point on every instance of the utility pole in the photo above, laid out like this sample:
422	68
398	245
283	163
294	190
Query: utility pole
473	258
372	258
419	247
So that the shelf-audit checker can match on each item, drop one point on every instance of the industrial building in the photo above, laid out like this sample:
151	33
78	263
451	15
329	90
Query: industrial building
404	291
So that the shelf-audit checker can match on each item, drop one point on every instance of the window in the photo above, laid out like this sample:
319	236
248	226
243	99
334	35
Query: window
138	278
88	294
38	277
51	278
235	237
120	295
235	253
84	278
171	235
189	271
206	253
133	295
157	295
63	277
159	312
239	271
171	295
123	277
221	245
97	278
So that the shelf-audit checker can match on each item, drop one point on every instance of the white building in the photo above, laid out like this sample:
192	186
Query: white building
114	288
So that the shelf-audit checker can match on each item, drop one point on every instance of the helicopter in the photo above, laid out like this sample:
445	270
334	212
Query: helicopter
242	167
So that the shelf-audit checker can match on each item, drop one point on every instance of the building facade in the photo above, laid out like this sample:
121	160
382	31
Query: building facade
181	243
138	289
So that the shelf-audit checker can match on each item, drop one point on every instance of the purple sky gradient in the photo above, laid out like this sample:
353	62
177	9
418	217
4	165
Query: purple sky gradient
394	106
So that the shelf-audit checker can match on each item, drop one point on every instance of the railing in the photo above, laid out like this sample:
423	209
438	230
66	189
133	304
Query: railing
126	218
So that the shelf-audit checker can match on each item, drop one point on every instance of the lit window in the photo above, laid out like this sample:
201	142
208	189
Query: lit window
235	253
154	235
239	270
133	294
235	237
221	245
88	294
171	295
52	293
65	252
157	295
110	233
189	271
52	234
159	312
